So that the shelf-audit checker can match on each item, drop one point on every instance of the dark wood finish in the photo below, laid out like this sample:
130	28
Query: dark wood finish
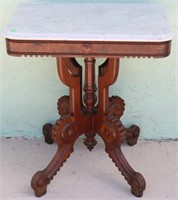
89	115
90	48
47	133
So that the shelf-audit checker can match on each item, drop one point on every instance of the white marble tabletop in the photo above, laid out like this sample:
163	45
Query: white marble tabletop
89	22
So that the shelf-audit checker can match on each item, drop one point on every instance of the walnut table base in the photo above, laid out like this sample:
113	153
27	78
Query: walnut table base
90	116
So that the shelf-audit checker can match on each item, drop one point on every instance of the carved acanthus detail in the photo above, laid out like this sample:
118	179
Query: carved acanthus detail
116	106
63	105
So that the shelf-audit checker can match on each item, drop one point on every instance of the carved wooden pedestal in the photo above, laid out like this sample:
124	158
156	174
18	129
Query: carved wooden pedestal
90	116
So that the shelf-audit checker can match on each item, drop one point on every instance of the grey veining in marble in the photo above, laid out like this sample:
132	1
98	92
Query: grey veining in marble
90	22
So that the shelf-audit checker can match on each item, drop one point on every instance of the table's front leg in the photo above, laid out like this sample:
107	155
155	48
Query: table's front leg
68	128
65	135
110	128
114	133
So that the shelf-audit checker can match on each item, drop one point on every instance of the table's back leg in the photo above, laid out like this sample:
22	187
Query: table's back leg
116	108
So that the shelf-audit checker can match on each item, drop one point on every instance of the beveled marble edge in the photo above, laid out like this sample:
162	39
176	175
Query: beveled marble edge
73	37
91	36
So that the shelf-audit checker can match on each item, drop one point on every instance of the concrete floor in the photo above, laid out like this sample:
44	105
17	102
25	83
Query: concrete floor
88	175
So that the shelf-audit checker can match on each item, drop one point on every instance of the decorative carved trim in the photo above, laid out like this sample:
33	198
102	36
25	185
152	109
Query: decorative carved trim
113	132
93	48
64	132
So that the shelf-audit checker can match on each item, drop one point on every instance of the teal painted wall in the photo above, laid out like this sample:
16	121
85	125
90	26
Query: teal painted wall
30	87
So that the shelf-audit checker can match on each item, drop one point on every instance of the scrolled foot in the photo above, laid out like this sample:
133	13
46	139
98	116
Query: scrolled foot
47	133
138	185
39	184
132	135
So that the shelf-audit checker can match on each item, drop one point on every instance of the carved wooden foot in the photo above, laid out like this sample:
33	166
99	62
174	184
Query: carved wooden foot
39	184
132	135
47	133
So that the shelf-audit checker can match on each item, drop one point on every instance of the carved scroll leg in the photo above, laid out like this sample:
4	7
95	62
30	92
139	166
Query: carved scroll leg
113	133
64	134
134	179
42	178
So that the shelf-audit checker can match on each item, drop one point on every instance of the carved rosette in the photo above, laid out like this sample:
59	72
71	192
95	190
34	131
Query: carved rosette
112	132
63	132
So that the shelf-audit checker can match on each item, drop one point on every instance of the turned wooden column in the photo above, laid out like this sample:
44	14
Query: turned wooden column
90	100
90	97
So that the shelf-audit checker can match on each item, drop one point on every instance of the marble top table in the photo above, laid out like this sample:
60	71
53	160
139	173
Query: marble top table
89	30
88	22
